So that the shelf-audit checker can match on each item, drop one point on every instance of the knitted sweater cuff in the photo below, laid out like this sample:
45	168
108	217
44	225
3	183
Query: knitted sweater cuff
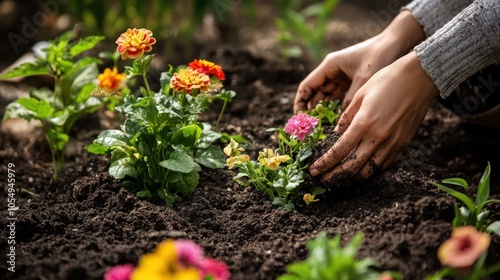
465	45
433	14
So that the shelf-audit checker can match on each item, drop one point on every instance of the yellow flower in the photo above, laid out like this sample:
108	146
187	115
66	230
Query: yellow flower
237	160
309	198
163	264
464	247
271	160
232	149
135	42
111	81
188	80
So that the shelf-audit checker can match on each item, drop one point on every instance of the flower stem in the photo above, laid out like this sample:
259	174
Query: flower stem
220	114
150	94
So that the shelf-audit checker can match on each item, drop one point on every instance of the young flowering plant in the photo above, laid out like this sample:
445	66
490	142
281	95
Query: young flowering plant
473	214
57	109
280	172
329	260
161	146
172	259
464	255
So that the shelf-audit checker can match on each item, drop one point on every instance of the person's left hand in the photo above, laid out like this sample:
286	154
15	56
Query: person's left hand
380	121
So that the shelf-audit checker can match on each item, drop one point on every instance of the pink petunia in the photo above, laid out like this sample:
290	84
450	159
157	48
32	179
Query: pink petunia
215	268
301	125
119	272
189	252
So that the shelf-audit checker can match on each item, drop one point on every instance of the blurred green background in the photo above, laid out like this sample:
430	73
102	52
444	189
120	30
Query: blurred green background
303	29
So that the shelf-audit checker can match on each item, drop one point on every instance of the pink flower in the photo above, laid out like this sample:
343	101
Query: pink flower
189	252
301	125
217	269
464	248
119	272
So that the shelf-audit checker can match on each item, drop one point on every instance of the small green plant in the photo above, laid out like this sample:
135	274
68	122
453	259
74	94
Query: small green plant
161	144
473	213
57	109
327	259
294	27
279	173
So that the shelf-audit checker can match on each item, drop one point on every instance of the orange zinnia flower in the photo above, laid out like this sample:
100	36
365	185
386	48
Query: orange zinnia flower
134	42
207	67
111	81
188	80
464	247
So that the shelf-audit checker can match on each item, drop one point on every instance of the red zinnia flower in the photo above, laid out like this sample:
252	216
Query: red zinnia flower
207	67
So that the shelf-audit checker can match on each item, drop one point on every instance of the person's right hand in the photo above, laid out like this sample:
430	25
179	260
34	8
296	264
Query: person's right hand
343	72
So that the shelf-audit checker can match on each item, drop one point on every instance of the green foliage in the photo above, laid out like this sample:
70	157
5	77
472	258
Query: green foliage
327	259
294	27
160	148
473	213
280	173
57	109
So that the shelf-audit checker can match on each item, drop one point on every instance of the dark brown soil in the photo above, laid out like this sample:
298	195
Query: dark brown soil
81	225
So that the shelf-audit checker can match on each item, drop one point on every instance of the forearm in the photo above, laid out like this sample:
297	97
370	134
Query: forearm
464	46
402	34
434	14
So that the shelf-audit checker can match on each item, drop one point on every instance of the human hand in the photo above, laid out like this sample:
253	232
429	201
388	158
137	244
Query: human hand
343	72
379	123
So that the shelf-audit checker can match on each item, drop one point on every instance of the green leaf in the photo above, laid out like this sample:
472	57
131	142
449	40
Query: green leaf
112	138
210	157
57	139
457	181
494	228
460	196
41	108
183	183
39	67
143	193
483	191
122	168
179	161
480	206
85	44
97	149
187	135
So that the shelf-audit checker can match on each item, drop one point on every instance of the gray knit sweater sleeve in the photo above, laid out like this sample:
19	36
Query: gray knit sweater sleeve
433	14
469	42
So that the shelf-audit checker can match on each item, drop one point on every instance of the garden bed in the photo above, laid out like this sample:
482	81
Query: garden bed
85	223
81	225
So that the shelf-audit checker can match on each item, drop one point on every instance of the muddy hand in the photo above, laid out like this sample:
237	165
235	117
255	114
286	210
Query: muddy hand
380	122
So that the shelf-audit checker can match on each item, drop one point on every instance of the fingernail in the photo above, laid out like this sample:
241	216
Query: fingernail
314	172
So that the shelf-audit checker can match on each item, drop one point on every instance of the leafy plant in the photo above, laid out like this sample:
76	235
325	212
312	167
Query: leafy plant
160	146
279	173
473	213
327	259
293	25
464	255
57	109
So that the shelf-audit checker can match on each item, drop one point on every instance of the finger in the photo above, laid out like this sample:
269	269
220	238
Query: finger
352	164
391	161
349	95
347	117
337	153
373	165
307	88
329	91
